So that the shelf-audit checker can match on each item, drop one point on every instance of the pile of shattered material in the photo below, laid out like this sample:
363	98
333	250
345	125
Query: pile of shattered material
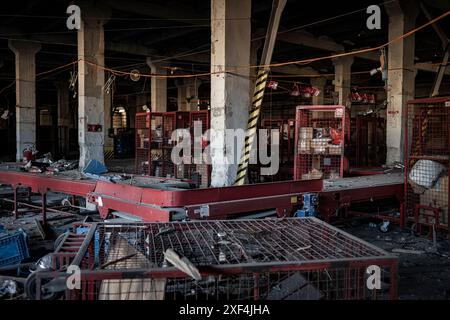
94	170
48	166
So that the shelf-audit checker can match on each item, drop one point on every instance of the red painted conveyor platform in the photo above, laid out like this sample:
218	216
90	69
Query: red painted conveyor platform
156	199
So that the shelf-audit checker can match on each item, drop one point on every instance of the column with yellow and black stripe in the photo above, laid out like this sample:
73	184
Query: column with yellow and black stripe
251	126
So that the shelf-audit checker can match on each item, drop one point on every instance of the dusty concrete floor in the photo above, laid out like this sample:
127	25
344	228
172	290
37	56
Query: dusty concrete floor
424	272
121	165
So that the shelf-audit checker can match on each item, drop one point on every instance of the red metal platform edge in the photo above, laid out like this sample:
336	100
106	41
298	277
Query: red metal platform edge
155	205
159	205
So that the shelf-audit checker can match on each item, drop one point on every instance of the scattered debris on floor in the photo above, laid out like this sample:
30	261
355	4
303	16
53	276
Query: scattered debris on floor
423	266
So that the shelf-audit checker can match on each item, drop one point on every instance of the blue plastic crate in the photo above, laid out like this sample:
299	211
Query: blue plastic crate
85	230
13	248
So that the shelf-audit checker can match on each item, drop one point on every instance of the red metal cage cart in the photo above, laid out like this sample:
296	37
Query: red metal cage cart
154	142
427	152
270	259
321	133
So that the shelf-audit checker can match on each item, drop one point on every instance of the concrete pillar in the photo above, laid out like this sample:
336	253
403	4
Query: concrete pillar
158	87
181	95
63	104
401	74
192	93
64	116
319	83
254	47
188	94
25	53
342	78
91	79
230	99
108	147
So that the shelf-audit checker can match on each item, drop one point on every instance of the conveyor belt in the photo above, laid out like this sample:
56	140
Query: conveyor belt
340	194
145	198
364	182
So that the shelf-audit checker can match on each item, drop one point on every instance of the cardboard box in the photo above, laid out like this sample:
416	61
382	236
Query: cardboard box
320	146
312	176
304	146
306	133
320	150
334	149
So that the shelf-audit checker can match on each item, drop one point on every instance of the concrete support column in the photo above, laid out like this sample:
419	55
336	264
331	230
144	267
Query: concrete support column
188	94
158	87
181	95
230	47
64	116
342	78
25	53
319	83
108	147
254	47
91	79
401	74
63	104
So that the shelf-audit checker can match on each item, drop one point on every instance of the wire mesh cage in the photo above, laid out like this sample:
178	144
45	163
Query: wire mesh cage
142	160
154	142
162	126
321	133
427	151
192	169
274	259
285	128
367	146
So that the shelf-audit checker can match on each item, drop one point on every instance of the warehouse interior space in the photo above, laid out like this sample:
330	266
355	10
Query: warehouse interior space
224	150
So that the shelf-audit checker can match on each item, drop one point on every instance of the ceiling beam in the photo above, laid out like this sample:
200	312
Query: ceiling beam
130	48
169	35
307	39
430	67
70	40
149	8
296	70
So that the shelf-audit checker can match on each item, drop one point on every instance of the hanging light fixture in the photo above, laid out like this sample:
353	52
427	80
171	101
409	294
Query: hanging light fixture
272	85
315	91
307	92
135	75
295	90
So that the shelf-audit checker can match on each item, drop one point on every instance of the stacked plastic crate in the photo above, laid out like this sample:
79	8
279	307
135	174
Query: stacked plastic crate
13	247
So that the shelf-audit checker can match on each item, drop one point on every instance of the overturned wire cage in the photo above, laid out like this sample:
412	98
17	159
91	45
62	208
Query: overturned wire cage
427	162
271	259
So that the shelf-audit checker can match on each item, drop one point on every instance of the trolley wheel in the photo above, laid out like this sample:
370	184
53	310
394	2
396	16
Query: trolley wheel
30	289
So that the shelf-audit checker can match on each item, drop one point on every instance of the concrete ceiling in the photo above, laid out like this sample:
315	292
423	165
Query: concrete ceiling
180	30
